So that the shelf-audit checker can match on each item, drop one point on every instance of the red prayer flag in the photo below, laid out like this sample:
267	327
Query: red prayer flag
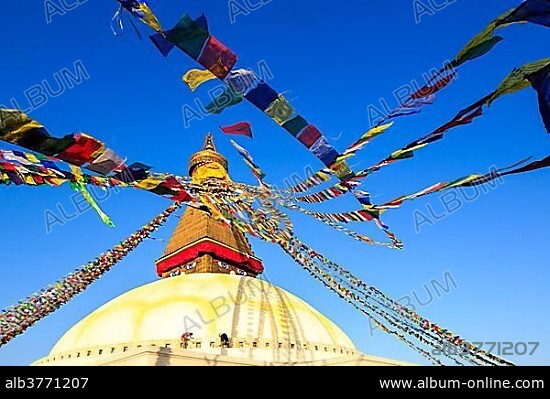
309	136
429	90
241	128
182	196
217	58
83	150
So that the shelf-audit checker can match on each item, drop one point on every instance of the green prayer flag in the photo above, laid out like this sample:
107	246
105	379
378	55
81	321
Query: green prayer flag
189	36
476	51
53	145
518	79
79	185
482	43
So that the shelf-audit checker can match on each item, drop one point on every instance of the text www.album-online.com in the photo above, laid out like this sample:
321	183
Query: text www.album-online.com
487	383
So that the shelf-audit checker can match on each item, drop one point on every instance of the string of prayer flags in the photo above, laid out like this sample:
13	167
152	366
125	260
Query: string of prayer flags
27	158
411	106
240	128
409	322
467	181
392	317
335	191
193	37
266	99
535	165
316	179
535	11
31	175
464	117
364	140
333	224
18	128
195	77
347	217
81	150
249	161
17	318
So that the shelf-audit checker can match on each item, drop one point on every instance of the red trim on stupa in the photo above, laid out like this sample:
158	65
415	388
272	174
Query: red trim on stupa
214	249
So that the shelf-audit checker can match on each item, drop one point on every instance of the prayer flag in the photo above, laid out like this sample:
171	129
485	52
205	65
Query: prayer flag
188	36
217	58
241	128
195	77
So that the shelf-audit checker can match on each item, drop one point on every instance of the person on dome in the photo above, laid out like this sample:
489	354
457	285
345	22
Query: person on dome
185	338
224	340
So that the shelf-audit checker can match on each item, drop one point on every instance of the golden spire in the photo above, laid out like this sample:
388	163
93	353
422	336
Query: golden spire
200	243
209	143
207	156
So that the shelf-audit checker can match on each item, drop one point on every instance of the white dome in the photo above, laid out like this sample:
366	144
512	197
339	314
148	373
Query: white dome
261	320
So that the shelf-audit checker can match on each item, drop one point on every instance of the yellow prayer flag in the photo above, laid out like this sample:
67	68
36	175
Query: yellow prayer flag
376	131
408	151
29	179
374	209
56	181
195	77
16	135
149	18
463	181
148	184
343	157
32	158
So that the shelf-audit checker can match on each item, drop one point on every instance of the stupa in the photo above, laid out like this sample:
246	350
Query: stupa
209	286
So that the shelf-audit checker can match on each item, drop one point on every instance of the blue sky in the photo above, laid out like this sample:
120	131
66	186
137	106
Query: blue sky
333	59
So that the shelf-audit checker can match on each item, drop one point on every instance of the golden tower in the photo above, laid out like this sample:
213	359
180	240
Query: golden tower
201	244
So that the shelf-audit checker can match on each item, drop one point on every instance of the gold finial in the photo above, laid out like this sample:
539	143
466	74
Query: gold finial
209	143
